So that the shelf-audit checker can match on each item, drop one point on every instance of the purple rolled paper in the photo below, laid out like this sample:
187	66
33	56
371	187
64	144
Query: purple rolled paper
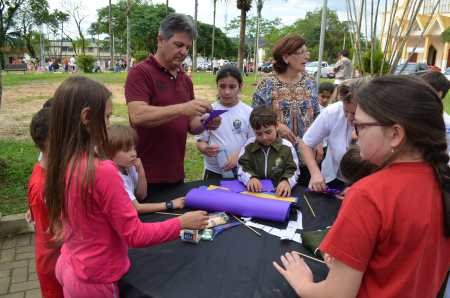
238	204
238	186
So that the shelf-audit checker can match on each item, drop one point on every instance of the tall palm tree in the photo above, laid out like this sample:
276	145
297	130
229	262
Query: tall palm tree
213	31
129	3
244	6
259	6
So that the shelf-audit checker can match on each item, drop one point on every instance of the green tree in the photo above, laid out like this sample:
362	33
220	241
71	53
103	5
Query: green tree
8	12
265	27
30	16
224	46
144	22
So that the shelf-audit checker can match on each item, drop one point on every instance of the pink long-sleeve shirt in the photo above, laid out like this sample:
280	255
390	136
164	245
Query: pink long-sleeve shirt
96	240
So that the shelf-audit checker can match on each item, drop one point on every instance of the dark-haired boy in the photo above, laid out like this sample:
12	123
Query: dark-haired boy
266	156
46	251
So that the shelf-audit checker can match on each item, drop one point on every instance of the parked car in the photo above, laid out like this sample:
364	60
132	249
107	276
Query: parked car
266	67
411	68
434	68
447	73
312	68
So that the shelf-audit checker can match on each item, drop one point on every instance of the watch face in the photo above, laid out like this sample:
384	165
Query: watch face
169	205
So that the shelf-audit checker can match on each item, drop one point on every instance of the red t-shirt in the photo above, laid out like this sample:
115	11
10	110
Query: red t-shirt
390	227
46	252
160	148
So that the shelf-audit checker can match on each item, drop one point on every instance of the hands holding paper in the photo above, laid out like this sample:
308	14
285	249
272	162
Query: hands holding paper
196	107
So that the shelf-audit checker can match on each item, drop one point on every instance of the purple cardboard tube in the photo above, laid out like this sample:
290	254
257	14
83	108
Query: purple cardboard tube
238	204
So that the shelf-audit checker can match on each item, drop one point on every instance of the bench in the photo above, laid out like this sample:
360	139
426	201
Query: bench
16	67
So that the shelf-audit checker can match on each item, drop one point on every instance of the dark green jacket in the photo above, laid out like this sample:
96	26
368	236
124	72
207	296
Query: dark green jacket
277	162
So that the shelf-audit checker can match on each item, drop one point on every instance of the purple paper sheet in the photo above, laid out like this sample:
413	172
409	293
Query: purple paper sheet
238	204
213	114
238	186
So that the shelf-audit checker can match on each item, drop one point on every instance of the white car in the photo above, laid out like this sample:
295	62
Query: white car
312	68
447	73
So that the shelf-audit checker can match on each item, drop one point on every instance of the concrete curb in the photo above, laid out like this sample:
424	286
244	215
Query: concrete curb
11	225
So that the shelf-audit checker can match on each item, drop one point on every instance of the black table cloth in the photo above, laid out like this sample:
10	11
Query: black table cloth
238	263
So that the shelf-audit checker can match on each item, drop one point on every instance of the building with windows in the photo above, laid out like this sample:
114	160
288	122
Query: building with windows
424	43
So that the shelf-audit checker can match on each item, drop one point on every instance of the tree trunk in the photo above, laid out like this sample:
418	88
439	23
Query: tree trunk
241	52
194	44
111	51
1	89
128	35
213	33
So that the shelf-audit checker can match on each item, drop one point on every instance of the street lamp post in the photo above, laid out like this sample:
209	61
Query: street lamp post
322	40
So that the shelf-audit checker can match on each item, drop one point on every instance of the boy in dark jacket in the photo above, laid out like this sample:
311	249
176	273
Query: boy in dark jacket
266	156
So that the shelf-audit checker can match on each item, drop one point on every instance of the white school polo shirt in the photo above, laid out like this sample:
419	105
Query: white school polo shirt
332	125
231	135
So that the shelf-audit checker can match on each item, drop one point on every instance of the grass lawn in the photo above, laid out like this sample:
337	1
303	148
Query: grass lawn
17	156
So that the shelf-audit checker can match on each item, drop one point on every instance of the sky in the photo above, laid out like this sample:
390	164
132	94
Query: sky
287	10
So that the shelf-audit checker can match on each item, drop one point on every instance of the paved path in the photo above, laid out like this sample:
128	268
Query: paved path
17	268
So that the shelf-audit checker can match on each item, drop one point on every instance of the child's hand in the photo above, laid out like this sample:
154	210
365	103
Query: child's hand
295	270
138	165
254	185
178	203
196	220
214	123
283	189
231	162
211	150
29	216
341	196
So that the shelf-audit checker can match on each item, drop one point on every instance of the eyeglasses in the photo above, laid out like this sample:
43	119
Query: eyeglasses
361	125
300	52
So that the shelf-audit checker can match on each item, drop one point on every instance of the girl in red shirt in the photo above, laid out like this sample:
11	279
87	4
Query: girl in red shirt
391	237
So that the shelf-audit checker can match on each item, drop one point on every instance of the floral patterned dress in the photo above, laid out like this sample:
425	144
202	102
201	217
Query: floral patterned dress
296	104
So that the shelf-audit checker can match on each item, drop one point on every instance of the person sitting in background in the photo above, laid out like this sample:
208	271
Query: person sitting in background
267	156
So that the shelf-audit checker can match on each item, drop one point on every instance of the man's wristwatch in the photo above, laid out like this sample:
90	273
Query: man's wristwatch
169	205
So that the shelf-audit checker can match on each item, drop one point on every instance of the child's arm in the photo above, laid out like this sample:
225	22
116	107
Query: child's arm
246	173
177	203
141	188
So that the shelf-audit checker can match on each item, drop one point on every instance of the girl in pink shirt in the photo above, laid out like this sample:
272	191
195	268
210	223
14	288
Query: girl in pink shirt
89	209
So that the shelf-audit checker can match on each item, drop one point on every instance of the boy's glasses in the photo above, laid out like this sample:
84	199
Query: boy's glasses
361	125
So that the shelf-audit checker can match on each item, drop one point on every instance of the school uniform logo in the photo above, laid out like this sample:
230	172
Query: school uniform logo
237	126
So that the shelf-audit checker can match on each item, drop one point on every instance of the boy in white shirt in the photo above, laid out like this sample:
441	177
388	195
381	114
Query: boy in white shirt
335	123
121	150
